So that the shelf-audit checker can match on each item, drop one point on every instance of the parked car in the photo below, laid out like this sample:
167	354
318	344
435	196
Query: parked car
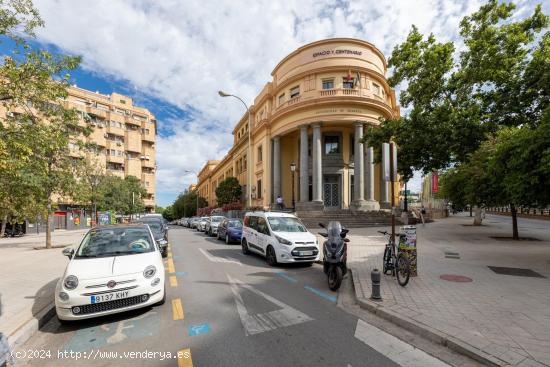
201	226
212	224
280	237
160	232
194	222
115	268
230	230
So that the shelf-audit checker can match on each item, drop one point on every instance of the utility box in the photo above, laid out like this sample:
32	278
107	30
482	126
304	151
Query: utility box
407	244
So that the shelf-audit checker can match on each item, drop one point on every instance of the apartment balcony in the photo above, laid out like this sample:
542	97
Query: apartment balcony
149	137
115	159
149	202
98	112
116	172
131	120
148	163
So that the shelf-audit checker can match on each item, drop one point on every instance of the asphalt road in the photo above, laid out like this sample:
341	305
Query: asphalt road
224	308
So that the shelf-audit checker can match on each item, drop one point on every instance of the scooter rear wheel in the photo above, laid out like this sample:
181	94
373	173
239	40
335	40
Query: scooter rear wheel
335	277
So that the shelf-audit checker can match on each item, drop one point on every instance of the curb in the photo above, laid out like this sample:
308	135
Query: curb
426	331
27	329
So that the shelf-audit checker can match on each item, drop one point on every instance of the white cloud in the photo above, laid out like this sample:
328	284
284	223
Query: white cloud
185	51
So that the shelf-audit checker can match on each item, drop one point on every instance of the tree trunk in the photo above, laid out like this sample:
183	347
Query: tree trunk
49	226
4	224
515	233
477	218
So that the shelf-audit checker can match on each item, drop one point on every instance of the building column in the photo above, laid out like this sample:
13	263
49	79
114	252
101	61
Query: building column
304	174
384	191
358	170
372	204
276	168
317	169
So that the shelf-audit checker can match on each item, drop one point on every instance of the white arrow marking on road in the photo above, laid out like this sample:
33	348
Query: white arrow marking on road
261	322
397	350
216	259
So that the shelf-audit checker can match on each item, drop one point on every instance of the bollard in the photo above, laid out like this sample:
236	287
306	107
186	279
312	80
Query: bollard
375	279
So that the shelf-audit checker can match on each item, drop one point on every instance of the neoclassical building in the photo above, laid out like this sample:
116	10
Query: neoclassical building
311	116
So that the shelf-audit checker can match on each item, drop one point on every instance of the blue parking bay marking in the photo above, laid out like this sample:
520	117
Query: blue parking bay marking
321	294
181	273
198	329
283	275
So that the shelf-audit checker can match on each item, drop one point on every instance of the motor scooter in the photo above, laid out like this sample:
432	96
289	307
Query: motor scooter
335	253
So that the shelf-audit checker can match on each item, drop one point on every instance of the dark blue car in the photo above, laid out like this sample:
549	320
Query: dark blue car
230	230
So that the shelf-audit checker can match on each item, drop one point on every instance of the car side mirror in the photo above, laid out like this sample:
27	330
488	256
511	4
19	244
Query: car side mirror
321	225
68	251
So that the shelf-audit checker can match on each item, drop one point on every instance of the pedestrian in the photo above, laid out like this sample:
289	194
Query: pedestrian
280	203
423	215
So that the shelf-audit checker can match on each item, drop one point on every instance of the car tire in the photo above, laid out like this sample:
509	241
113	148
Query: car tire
227	239
163	300
270	256
244	246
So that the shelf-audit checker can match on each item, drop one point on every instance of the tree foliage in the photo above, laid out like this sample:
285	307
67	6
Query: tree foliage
35	162
185	204
123	195
228	191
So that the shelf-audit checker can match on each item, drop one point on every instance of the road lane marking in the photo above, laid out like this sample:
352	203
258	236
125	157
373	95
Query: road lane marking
171	268
283	275
393	348
177	309
184	358
321	294
262	322
216	259
173	281
198	329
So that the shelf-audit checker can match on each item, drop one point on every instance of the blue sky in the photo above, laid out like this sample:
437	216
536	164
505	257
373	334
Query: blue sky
173	56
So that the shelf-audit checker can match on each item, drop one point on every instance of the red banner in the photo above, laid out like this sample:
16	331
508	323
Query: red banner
435	182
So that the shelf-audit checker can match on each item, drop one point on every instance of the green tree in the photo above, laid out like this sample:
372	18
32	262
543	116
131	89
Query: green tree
500	79
228	191
168	213
185	204
36	129
124	196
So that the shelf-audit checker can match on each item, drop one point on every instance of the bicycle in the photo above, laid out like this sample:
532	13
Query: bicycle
399	265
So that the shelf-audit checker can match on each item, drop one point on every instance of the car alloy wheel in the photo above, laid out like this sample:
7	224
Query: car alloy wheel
271	257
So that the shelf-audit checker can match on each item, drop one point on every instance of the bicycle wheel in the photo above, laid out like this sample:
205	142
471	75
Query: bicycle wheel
403	270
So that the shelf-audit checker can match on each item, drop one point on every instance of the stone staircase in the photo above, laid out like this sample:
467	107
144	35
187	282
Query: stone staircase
348	218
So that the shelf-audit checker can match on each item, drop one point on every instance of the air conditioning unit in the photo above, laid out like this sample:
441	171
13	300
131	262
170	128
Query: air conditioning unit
10	114
106	136
143	158
118	143
93	124
147	157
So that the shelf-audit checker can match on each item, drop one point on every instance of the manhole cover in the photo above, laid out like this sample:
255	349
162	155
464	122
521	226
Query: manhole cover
519	272
455	278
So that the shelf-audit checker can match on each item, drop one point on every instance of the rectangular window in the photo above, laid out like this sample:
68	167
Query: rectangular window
259	189
295	92
352	145
281	99
347	83
376	88
260	158
328	84
332	145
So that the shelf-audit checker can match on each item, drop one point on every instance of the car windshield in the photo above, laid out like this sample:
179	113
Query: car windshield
334	229
216	219
286	224
114	242
235	224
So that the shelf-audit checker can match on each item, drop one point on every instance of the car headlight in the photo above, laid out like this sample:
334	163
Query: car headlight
149	271
283	241
71	282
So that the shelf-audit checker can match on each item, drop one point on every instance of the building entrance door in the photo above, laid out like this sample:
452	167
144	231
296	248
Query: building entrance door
331	191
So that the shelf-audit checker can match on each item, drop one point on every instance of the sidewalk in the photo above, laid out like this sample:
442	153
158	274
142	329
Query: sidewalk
28	281
499	319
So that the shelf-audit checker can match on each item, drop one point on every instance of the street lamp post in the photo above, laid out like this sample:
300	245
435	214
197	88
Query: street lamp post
249	154
293	169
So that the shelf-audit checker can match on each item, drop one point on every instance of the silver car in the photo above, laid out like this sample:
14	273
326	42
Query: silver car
212	224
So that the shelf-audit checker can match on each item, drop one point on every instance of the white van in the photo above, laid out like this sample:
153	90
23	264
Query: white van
280	237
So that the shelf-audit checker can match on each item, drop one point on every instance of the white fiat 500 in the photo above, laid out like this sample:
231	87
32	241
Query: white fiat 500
115	269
